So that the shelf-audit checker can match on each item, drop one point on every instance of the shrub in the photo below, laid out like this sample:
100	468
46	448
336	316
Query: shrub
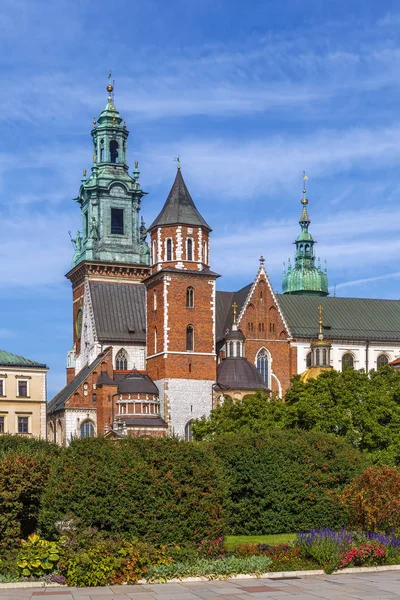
325	546
366	555
283	481
38	557
372	499
212	569
159	490
23	476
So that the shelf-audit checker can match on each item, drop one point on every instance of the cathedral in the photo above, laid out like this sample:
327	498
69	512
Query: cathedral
155	345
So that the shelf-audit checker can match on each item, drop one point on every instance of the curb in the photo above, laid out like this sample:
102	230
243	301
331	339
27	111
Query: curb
269	575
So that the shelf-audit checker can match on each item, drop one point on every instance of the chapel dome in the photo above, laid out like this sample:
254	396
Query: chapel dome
239	374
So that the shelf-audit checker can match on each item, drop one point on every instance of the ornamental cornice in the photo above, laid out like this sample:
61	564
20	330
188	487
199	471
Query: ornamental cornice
109	270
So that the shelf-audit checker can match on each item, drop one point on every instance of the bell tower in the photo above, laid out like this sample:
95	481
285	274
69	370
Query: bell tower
181	355
111	243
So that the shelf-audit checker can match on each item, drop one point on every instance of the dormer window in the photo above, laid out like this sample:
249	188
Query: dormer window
113	151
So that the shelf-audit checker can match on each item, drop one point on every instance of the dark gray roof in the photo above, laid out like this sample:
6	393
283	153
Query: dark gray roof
343	318
119	311
105	379
224	313
58	402
136	383
239	373
145	422
179	207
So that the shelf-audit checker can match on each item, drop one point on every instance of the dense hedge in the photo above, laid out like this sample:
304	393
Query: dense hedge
160	490
285	481
24	470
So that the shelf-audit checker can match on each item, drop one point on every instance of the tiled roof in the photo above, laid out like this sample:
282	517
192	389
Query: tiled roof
119	311
13	360
58	402
179	207
343	318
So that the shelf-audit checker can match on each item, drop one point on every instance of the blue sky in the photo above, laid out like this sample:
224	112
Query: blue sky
248	95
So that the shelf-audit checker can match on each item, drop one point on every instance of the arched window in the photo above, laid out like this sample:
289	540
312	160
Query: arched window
318	357
155	340
87	429
121	360
168	252
101	150
262	364
347	361
382	360
205	253
188	431
113	151
189	338
190	297
308	360
154	246
189	249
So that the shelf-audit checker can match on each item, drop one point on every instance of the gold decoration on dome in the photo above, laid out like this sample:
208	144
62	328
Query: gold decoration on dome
94	121
84	172
304	200
320	310
235	307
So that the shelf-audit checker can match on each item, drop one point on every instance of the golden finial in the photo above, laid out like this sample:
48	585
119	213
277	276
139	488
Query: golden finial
136	164
94	121
124	124
109	87
114	120
84	172
320	309
234	306
94	158
304	200
178	160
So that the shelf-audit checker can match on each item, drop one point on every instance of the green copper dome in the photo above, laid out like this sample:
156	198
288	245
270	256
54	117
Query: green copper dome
305	278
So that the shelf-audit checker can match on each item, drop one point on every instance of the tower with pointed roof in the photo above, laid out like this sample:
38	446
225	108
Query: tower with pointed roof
305	278
111	244
181	355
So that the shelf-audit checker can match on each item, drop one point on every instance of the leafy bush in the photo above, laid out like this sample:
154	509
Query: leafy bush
23	475
372	499
212	569
283	481
366	555
284	557
38	557
159	490
325	546
26	445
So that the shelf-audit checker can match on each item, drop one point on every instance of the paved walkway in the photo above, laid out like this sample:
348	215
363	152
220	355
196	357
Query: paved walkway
373	586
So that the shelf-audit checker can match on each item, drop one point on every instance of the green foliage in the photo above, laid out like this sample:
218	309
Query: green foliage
17	443
37	556
255	414
212	569
23	476
94	565
158	490
372	500
283	481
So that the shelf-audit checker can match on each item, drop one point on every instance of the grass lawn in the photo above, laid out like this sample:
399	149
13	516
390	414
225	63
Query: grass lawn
231	541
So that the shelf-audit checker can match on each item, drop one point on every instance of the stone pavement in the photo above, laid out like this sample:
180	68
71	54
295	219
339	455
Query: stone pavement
373	586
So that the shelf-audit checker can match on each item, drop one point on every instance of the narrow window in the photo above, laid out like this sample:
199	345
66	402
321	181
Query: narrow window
155	340
347	361
87	429
121	360
117	221
189	249
188	432
2	424
262	364
169	249
382	361
308	360
238	349
262	326
190	367
317	357
230	350
324	357
189	338
1	387
155	300
272	327
154	252
23	424
23	388
113	151
94	398
190	297
86	224
101	150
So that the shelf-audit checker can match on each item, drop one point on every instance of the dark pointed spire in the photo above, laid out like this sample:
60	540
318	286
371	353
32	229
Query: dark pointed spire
179	208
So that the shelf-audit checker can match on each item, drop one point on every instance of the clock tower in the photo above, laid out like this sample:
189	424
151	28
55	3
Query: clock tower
111	245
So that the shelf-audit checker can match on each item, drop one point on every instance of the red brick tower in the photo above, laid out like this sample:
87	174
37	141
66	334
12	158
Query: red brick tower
181	356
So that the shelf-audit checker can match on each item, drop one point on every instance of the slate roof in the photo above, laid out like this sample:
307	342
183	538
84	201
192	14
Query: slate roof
223	307
58	402
179	207
146	422
343	318
13	360
239	373
136	383
119	311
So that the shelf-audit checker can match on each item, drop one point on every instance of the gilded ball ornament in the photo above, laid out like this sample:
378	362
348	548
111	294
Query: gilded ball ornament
110	88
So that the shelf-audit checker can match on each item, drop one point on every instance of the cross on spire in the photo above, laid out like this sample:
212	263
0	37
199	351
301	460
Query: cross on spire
320	310
235	307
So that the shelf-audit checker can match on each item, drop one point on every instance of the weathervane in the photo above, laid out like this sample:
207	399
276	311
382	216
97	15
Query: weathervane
110	88
178	160
304	200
